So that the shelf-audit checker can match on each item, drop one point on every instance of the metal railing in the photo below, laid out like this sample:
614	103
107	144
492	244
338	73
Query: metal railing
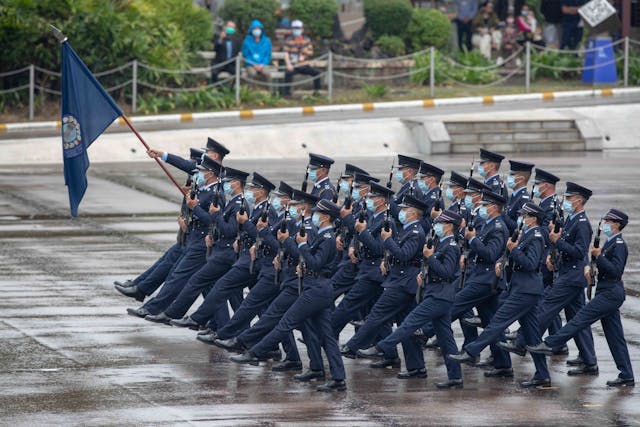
334	67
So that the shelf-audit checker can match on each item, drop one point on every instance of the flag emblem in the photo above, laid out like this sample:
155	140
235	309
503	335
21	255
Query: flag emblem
71	136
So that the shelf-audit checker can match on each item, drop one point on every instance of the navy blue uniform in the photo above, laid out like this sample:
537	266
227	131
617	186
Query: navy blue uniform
430	198
345	273
568	289
236	278
323	189
510	215
155	275
195	252
398	296
605	306
523	291
497	185
313	308
435	308
408	188
367	287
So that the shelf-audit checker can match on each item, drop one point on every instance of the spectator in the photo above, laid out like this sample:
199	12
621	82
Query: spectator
486	35
504	8
256	51
571	24
467	10
552	12
509	37
526	24
298	49
226	46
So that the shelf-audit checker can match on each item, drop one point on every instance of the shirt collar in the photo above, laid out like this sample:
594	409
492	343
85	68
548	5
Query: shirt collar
491	177
519	190
376	215
404	227
489	220
317	184
322	230
575	214
546	198
614	236
446	237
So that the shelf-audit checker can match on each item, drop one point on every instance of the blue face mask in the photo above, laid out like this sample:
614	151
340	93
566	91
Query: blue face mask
344	187
226	187
199	179
423	186
371	206
520	219
399	177
313	175
481	170
525	227
511	181
249	196
439	229
315	219
402	217
468	201
276	203
567	206
483	212
293	212
536	191
449	194
355	194
606	229
297	32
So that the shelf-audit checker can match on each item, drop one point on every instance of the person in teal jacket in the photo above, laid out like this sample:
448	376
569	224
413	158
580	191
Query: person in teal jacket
256	51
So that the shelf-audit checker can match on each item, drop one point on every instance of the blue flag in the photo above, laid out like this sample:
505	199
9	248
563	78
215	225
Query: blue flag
87	110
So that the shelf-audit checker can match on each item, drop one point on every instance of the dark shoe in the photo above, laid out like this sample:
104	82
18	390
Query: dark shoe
207	339
464	357
499	373
131	292
159	318
536	383
246	358
575	362
357	323
384	363
208	331
433	344
450	384
472	322
126	284
275	355
584	370
287	365
346	351
186	322
512	347
485	363
370	353
333	385
414	373
540	348
511	336
138	312
309	375
231	344
563	351
622	382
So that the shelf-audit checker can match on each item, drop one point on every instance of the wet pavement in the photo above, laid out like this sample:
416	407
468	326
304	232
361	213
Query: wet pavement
70	355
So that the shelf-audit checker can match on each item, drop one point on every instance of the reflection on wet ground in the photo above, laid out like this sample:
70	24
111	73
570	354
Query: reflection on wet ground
70	355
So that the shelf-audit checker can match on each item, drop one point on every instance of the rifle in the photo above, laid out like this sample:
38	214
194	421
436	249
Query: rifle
258	244
466	251
593	271
390	182
280	256
241	211
213	228
387	220
301	262
356	242
505	259
184	210
424	268
557	219
303	187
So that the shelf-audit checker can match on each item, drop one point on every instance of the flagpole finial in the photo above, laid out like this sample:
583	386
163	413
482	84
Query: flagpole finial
58	34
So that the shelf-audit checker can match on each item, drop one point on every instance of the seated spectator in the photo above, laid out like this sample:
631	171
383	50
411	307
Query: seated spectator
226	46
256	51
298	49
552	12
486	35
509	38
526	24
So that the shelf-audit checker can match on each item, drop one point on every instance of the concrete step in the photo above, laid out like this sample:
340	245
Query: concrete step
463	126
512	136
543	145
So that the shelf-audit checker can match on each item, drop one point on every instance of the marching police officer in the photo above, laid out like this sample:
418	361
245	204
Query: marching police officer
318	169
488	168
610	261
429	178
406	175
517	180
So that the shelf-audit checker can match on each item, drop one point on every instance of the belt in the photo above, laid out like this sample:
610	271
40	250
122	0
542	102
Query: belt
314	274
437	282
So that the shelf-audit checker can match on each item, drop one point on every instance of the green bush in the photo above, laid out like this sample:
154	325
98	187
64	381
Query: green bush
448	72
391	45
318	16
634	67
242	12
428	27
389	17
376	90
541	60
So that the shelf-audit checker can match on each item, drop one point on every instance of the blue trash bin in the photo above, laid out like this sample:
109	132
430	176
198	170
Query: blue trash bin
600	62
